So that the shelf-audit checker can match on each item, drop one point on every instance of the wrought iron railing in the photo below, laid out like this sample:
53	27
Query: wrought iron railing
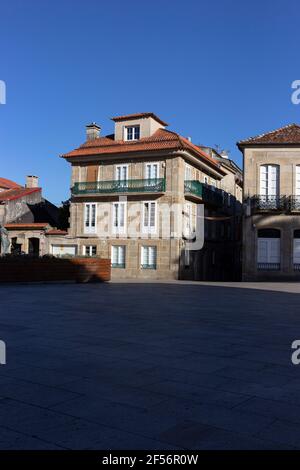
296	266
269	203
268	266
155	185
294	203
207	193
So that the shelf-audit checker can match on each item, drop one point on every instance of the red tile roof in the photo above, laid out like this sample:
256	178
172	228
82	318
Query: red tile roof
162	139
56	232
17	193
8	184
289	134
28	226
129	117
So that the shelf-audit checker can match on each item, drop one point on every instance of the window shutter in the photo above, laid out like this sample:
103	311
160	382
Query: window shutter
152	215
262	251
297	186
272	180
92	173
296	254
263	180
274	250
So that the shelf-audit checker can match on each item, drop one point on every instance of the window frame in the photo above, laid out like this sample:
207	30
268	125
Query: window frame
147	229
118	264
121	230
148	266
90	228
87	249
157	164
133	127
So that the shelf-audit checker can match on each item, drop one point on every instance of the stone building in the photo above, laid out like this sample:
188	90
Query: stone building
27	216
134	197
271	222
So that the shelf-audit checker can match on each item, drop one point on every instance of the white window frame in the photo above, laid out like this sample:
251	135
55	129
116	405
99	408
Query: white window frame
265	184
188	172
115	262
88	250
148	228
148	266
119	229
90	228
269	256
133	127
121	167
151	164
297	181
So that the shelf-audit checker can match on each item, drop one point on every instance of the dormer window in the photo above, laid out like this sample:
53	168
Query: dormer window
132	133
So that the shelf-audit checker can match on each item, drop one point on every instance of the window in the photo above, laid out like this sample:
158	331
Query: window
119	217
269	180
148	256
188	221
297	183
152	170
90	250
118	256
121	172
188	173
296	250
268	250
149	217
90	218
132	133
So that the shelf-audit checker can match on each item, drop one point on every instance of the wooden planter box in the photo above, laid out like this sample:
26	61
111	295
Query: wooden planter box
26	269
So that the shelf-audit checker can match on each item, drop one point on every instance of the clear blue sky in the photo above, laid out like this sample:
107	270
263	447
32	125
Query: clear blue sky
217	71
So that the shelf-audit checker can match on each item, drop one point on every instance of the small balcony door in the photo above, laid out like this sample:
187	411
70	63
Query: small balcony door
152	171
269	185
121	175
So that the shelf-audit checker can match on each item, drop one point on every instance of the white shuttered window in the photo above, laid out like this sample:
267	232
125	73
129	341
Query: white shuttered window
149	256
269	180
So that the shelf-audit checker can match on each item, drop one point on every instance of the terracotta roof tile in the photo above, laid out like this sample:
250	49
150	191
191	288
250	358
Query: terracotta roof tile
17	193
289	134
162	139
129	117
56	232
28	225
8	184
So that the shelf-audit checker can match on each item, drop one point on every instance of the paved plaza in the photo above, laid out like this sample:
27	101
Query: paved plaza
149	366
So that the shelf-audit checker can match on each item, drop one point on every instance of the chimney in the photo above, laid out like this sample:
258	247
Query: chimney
32	181
92	131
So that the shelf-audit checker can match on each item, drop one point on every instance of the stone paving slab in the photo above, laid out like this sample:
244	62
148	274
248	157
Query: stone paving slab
172	365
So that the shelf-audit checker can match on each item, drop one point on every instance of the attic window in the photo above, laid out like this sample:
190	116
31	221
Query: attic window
132	133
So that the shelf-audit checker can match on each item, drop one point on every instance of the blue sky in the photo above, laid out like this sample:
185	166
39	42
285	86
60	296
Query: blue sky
217	71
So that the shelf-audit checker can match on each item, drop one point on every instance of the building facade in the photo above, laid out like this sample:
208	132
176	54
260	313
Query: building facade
271	221
134	198
27	216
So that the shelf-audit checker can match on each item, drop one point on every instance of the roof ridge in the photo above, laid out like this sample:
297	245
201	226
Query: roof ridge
258	136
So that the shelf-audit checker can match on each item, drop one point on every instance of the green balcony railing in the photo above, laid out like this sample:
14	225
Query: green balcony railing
207	193
154	185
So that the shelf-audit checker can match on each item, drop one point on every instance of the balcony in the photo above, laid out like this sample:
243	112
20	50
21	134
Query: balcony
208	194
269	203
294	203
157	185
268	266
